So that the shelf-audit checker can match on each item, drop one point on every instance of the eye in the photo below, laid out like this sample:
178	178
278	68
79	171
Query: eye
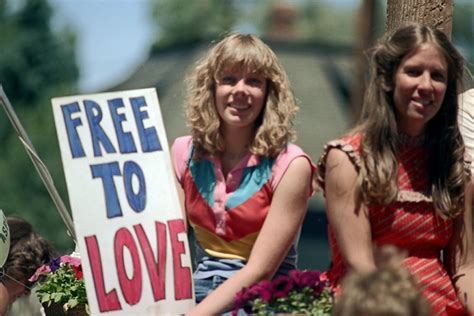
255	81
438	76
227	79
412	72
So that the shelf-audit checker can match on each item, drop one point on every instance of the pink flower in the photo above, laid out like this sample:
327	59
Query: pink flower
43	270
240	300
282	285
267	295
263	290
243	299
75	262
310	278
78	272
296	275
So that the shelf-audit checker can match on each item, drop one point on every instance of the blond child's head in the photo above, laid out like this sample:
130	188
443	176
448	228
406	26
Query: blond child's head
389	290
273	128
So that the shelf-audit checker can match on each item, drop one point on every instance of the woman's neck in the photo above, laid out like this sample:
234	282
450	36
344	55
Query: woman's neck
409	140
236	147
237	140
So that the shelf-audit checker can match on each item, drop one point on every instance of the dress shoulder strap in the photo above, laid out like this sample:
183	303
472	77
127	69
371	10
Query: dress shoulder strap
349	144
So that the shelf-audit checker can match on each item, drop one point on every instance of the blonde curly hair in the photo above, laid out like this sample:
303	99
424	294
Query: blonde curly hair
390	290
274	127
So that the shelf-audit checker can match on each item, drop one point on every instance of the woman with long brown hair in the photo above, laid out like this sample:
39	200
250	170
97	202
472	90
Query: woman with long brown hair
400	176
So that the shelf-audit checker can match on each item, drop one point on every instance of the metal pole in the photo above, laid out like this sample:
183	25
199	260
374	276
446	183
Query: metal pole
39	165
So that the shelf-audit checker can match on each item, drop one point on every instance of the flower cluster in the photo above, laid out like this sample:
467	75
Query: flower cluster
61	281
300	292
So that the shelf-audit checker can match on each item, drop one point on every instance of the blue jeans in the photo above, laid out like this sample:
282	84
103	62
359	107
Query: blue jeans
203	287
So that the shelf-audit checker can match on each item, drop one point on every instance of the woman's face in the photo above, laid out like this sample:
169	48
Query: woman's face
420	85
239	97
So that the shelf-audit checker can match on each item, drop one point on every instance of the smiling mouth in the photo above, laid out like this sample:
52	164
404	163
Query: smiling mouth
423	103
239	107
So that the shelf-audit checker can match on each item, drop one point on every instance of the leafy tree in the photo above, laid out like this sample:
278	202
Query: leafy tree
36	64
34	58
182	21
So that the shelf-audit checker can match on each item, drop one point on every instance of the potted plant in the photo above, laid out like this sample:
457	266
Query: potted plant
61	288
299	293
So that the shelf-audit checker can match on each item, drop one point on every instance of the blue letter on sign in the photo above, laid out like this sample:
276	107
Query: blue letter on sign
125	139
136	201
107	171
71	128
148	136
97	133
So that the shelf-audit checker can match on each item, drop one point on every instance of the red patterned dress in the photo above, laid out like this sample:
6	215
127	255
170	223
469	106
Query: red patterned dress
410	223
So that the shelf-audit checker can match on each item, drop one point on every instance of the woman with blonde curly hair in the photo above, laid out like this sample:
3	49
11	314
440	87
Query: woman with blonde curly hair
245	187
400	177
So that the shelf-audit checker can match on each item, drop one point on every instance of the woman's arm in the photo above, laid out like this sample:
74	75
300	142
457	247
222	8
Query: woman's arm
287	210
181	197
178	186
459	255
349	220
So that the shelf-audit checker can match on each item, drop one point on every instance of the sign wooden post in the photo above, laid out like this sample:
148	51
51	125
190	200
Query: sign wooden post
128	222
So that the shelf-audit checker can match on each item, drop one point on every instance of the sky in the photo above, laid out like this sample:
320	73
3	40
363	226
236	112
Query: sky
113	37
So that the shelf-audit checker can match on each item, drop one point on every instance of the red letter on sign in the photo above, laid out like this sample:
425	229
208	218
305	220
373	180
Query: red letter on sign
107	301
131	288
156	268
182	276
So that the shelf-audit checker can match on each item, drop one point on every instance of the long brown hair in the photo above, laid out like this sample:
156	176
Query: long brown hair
378	125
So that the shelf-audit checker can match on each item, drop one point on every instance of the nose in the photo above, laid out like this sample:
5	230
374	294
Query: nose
425	83
240	87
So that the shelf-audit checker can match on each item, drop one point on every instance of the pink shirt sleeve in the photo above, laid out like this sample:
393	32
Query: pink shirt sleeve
284	160
180	155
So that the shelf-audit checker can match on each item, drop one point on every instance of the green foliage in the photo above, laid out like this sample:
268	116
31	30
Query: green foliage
64	286
299	292
23	192
297	302
182	21
33	57
36	64
321	22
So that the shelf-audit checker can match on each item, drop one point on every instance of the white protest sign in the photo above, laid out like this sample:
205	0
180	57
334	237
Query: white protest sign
120	180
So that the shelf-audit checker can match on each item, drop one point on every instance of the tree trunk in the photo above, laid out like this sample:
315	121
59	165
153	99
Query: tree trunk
365	38
435	13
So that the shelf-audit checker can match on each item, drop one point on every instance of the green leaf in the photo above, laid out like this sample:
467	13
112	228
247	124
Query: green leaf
72	302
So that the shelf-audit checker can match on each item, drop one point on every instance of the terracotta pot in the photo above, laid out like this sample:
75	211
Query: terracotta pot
57	310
